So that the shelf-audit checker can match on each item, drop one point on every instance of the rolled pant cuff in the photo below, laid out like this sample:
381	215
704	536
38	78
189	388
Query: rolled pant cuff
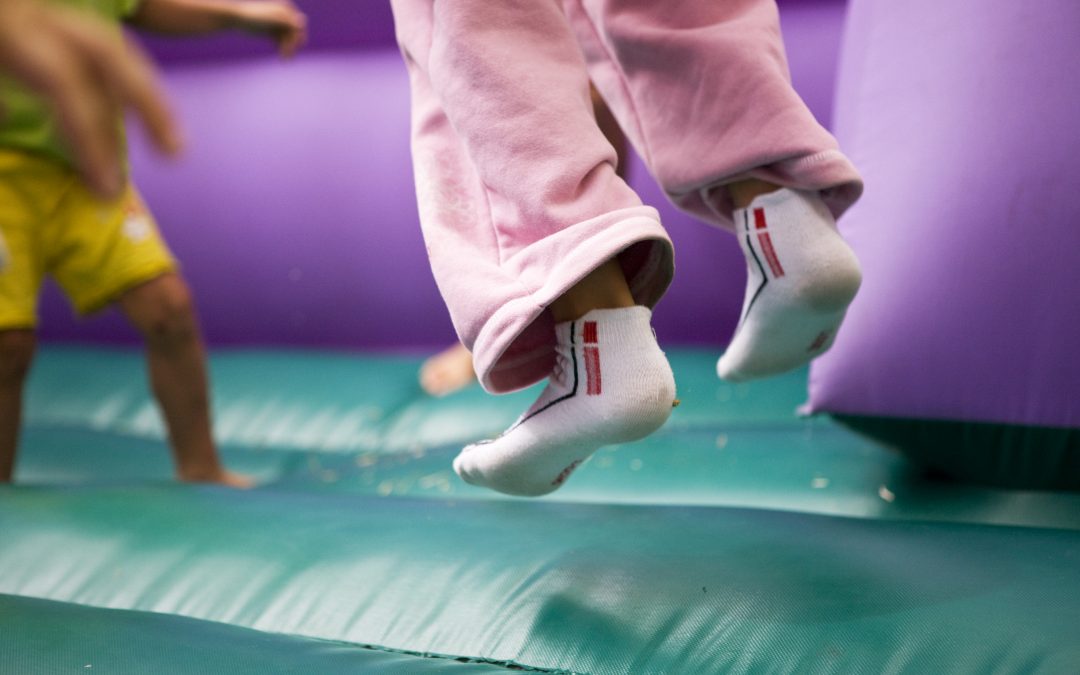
514	347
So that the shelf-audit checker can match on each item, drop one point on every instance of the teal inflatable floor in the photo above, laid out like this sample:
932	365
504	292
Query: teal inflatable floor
740	538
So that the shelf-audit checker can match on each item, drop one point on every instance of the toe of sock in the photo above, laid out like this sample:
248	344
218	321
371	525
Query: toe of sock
726	370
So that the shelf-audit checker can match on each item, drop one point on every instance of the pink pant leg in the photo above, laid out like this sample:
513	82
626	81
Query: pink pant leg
516	184
702	89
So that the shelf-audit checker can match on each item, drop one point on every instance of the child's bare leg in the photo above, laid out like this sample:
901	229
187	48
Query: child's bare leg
611	384
163	312
604	288
16	353
801	278
744	191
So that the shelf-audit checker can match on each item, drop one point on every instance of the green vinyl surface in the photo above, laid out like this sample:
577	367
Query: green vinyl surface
739	538
44	636
359	424
561	586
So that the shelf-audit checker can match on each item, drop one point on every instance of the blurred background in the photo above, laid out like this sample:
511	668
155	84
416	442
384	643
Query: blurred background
293	212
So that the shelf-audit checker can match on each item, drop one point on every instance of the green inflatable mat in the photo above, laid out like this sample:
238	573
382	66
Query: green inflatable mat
586	588
740	538
43	636
359	424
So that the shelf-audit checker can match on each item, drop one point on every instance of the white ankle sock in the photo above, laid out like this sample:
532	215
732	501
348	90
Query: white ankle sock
611	384
801	278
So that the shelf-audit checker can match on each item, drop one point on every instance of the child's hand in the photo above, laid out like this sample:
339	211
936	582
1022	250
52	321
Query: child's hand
279	19
77	64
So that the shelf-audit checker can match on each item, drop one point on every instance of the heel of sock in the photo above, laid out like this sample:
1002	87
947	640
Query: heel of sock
646	408
833	288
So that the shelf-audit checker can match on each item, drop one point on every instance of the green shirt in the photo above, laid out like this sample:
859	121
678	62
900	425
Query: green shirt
26	121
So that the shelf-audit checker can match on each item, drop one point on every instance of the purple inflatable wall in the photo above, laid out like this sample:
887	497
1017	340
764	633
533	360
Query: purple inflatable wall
293	210
963	117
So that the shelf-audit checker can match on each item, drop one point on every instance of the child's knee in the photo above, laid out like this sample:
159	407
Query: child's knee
167	316
16	353
173	323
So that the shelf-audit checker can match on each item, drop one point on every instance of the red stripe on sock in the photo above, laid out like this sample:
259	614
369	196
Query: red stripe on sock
592	371
766	243
770	254
590	332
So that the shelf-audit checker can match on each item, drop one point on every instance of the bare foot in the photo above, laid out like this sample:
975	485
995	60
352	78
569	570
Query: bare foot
448	371
221	477
235	480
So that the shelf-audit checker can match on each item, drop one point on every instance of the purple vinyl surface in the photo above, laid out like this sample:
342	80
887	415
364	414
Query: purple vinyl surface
963	118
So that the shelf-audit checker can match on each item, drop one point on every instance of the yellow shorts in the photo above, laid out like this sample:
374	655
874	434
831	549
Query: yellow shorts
50	224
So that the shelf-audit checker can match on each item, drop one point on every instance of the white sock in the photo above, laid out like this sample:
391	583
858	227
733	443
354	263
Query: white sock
611	384
802	277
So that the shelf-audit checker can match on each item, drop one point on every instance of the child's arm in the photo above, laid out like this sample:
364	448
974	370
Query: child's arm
76	63
278	19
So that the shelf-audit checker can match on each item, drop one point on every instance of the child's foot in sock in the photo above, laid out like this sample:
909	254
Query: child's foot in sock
611	384
802	277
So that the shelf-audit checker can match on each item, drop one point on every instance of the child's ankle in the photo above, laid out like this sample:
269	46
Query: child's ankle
743	192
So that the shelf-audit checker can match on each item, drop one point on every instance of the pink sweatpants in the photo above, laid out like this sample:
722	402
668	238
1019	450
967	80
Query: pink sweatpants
516	184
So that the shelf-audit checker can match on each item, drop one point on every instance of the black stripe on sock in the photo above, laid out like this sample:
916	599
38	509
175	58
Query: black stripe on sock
764	276
564	397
